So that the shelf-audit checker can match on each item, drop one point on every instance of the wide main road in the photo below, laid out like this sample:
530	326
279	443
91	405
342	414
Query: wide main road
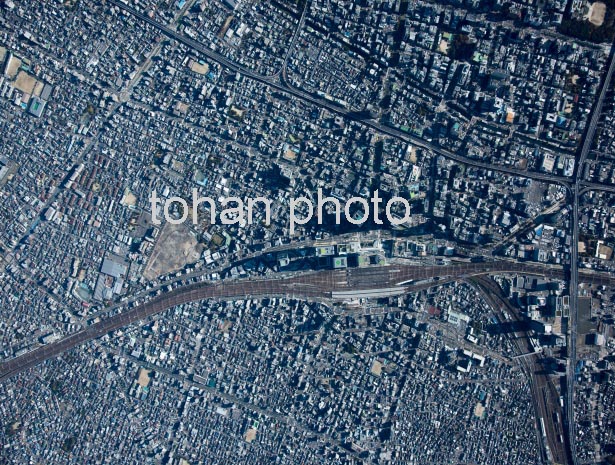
329	284
277	83
577	189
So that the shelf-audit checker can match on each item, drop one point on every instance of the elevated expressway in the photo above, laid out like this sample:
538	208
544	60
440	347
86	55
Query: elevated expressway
576	186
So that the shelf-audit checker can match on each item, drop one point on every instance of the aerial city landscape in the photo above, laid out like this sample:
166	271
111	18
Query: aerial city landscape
432	283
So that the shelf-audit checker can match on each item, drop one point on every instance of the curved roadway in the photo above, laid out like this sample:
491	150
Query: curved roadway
277	82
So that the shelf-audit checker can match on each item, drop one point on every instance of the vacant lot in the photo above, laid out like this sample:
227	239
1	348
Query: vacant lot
596	14
176	248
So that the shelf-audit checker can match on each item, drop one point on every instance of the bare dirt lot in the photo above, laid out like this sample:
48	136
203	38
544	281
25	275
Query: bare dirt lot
176	248
596	14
